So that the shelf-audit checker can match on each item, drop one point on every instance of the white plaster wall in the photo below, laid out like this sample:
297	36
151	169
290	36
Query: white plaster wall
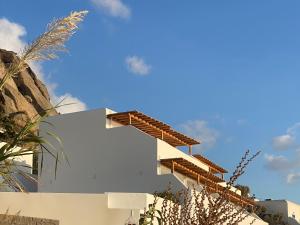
119	159
188	182
293	209
165	151
69	209
251	218
286	208
78	209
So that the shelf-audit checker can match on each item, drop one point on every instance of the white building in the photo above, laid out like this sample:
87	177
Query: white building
289	210
115	161
124	152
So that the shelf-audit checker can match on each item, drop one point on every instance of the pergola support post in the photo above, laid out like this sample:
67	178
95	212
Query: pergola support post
129	119
190	150
173	167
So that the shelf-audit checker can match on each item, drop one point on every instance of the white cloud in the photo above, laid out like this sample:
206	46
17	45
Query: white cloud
137	65
69	104
278	163
283	142
288	140
115	8
11	35
38	70
199	130
285	166
293	178
294	130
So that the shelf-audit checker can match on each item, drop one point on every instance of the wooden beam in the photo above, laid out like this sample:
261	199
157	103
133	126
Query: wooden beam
210	184
175	138
155	128
190	166
214	167
193	173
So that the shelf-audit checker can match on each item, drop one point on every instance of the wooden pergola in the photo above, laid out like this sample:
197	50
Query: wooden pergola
191	170
154	128
213	168
164	132
204	177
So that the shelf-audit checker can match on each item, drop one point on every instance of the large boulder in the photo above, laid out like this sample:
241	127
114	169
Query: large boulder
24	93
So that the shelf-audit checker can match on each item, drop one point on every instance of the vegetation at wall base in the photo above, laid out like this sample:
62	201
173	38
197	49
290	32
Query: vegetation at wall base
201	207
272	219
245	190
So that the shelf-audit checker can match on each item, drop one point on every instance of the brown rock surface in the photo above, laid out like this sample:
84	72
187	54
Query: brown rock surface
23	93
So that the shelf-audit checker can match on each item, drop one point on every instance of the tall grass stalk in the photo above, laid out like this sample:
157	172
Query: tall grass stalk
22	141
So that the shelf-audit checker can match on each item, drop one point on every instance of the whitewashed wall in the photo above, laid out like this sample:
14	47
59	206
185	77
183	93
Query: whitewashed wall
69	209
79	209
119	159
287	208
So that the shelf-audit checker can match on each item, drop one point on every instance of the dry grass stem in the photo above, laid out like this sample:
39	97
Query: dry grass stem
53	39
46	46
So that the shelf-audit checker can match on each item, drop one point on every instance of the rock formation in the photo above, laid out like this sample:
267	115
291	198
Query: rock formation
23	93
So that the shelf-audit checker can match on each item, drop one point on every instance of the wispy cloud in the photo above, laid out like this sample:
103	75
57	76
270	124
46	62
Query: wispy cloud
288	163
70	103
288	140
137	65
115	8
283	142
11	35
293	178
278	163
200	130
11	38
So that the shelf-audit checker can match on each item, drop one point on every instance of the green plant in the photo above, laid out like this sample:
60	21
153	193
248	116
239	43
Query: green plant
168	195
151	215
245	190
21	141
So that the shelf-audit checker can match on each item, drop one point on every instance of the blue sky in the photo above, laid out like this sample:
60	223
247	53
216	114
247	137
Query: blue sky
226	72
